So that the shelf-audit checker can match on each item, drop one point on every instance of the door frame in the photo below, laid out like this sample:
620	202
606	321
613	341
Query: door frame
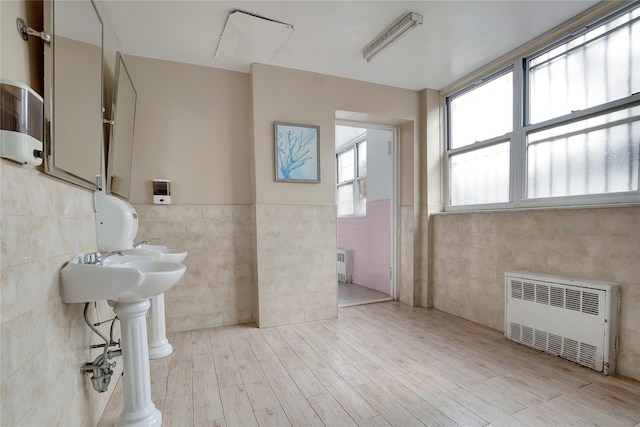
395	197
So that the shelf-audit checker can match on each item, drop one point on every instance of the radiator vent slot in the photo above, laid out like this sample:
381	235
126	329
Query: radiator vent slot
542	294
571	318
590	303
571	299
516	289
555	344
557	297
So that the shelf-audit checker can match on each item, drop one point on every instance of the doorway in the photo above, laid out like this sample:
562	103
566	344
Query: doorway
366	199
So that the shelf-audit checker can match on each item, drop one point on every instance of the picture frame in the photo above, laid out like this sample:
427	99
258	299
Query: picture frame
297	152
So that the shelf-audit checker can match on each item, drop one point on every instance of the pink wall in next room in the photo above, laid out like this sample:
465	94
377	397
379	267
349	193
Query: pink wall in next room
369	240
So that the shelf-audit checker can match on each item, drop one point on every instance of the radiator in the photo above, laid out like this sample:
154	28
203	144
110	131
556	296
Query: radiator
344	266
571	318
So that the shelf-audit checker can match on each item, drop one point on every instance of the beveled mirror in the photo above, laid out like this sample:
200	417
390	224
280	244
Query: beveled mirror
73	92
123	115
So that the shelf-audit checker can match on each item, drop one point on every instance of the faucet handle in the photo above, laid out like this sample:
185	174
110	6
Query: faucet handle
92	258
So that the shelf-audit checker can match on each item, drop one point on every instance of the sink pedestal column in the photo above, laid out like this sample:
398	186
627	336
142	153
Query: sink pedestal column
159	345
138	410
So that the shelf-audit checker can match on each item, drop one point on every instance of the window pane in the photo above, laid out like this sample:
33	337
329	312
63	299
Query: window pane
362	196
346	166
362	158
482	113
480	176
345	199
585	157
598	67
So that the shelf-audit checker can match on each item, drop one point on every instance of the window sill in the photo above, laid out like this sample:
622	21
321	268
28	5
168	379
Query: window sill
494	209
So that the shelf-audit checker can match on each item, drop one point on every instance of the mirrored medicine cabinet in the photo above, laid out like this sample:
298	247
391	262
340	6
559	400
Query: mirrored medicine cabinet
123	115
73	92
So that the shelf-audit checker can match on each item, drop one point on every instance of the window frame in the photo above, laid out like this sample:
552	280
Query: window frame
478	145
357	177
522	128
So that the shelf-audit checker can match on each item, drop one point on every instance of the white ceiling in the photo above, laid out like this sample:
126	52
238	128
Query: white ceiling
457	37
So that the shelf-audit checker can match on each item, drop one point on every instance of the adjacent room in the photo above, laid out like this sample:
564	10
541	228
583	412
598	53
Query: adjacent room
364	198
371	213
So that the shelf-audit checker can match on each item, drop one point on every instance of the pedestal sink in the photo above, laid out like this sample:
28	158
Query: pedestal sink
159	345
128	281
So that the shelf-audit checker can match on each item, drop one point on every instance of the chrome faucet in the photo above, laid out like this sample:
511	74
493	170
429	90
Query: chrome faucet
101	260
92	258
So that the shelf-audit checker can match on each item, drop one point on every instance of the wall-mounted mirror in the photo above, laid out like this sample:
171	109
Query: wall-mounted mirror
123	115
73	92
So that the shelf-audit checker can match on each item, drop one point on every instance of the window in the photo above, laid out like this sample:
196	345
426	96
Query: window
351	188
571	137
480	128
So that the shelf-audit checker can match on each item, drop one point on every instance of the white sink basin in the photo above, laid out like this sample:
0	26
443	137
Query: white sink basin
127	278
159	253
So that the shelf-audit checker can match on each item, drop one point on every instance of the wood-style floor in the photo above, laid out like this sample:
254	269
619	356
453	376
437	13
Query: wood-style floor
352	294
376	365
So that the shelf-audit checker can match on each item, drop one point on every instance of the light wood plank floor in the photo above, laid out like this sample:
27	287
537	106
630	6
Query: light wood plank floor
377	365
352	294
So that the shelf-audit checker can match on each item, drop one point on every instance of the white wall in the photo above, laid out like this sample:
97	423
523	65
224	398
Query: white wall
379	164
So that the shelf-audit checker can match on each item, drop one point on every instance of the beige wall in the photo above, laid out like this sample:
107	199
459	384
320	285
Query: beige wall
283	210
43	221
211	132
472	251
21	60
193	128
281	94
197	124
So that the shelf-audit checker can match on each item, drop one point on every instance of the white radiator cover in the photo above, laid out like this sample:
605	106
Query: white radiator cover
344	266
571	318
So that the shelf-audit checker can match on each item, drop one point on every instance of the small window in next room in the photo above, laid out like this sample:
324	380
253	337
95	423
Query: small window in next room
559	126
351	186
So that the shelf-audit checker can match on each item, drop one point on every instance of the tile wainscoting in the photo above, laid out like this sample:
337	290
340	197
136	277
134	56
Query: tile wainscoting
44	341
219	285
296	255
472	251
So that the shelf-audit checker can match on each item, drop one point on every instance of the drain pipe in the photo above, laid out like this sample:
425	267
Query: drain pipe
106	340
101	366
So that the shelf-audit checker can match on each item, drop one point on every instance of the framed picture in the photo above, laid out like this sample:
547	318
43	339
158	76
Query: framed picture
297	152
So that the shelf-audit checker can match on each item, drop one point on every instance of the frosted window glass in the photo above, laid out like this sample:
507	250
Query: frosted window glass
585	157
351	195
362	159
598	67
345	199
482	113
480	176
362	196
346	166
